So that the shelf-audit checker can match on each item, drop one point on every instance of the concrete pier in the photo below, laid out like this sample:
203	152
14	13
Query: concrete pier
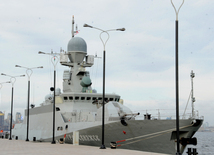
20	147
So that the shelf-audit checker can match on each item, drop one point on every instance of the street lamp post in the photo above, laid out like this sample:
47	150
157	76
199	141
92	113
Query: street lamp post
176	77
29	72
104	55
12	80
54	61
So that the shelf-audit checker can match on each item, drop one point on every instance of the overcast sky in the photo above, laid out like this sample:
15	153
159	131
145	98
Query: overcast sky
140	63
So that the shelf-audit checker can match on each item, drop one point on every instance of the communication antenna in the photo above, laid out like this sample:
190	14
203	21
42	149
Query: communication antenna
96	68
95	56
176	75
72	30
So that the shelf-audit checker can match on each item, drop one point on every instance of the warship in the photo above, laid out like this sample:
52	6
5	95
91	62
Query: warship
78	114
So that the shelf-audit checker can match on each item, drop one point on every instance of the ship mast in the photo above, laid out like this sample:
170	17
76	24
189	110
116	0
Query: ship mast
192	75
72	29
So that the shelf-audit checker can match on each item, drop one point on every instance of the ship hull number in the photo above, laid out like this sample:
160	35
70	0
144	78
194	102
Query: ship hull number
84	137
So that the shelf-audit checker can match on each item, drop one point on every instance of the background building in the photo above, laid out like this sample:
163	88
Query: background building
1	120
18	117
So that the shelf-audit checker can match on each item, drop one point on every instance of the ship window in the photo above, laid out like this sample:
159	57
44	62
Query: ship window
76	97
87	74
111	99
70	97
117	99
82	98
88	98
70	76
94	98
65	98
106	99
100	98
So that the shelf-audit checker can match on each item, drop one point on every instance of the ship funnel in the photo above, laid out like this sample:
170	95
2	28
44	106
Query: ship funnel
77	50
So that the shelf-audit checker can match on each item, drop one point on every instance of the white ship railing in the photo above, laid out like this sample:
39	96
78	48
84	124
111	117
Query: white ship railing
166	114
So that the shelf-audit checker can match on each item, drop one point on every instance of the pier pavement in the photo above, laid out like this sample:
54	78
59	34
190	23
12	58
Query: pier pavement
21	147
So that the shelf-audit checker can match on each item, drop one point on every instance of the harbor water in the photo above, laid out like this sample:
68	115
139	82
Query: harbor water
205	144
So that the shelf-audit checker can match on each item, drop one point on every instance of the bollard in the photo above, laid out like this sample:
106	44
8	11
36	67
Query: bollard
195	151
34	139
189	152
113	145
61	141
16	137
6	136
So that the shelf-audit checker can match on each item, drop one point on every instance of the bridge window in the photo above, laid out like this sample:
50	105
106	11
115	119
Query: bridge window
65	98
70	97
117	99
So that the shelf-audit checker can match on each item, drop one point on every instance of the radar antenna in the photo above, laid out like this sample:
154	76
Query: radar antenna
96	55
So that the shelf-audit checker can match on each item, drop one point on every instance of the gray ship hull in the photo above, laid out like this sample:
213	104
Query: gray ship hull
144	135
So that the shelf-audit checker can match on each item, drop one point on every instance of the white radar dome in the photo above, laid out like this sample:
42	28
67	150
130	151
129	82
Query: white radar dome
77	44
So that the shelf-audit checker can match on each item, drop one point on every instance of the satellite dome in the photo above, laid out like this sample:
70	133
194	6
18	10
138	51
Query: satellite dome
49	97
77	44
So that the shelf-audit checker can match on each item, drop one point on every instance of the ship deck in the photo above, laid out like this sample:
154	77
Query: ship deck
20	147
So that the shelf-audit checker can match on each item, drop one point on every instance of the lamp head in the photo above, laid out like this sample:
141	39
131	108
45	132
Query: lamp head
121	29
40	52
86	25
